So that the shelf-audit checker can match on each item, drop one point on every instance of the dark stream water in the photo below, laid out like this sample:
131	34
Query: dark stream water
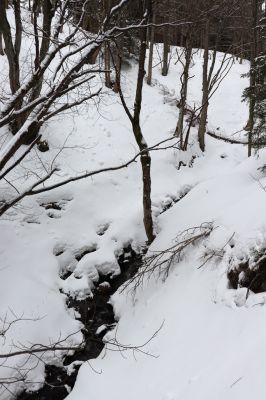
94	312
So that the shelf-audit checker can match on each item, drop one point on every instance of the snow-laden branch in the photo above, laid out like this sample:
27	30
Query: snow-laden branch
33	190
112	12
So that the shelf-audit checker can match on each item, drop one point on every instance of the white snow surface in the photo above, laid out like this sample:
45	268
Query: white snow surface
211	341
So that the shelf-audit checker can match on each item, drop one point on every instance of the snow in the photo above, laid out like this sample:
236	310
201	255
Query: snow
210	345
211	341
204	349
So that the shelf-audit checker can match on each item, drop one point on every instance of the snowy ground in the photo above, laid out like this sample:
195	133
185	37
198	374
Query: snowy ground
211	343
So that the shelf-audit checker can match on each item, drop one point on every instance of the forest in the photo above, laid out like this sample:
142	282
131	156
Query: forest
132	196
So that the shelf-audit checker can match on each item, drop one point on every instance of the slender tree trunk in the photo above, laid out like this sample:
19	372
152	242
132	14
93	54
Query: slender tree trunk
205	91
152	32
2	53
12	56
146	177
12	52
145	157
183	92
191	123
48	13
241	51
165	51
118	66
253	54
107	64
34	20
135	122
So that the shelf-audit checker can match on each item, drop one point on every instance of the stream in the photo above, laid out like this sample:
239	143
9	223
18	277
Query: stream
94	313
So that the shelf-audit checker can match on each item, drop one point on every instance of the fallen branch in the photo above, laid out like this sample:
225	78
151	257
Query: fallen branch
225	139
234	141
161	261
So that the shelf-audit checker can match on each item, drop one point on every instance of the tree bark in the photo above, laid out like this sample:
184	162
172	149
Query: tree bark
205	91
48	13
118	66
2	53
10	50
107	63
165	51
152	32
18	36
183	92
107	66
253	54
145	157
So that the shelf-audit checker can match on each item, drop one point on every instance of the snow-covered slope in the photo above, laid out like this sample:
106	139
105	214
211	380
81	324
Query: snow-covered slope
210	344
207	346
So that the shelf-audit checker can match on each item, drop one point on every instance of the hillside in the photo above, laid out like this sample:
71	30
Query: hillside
181	331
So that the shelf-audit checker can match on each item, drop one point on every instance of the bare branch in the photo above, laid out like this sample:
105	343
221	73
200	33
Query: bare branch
32	191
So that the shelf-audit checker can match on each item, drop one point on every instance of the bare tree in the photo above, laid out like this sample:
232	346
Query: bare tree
135	122
69	76
215	17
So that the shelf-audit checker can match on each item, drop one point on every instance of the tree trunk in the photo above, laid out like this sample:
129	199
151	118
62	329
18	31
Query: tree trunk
145	157
48	13
165	51
13	58
18	36
107	64
205	91
2	53
118	66
12	52
152	32
34	20
253	55
146	178
183	92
